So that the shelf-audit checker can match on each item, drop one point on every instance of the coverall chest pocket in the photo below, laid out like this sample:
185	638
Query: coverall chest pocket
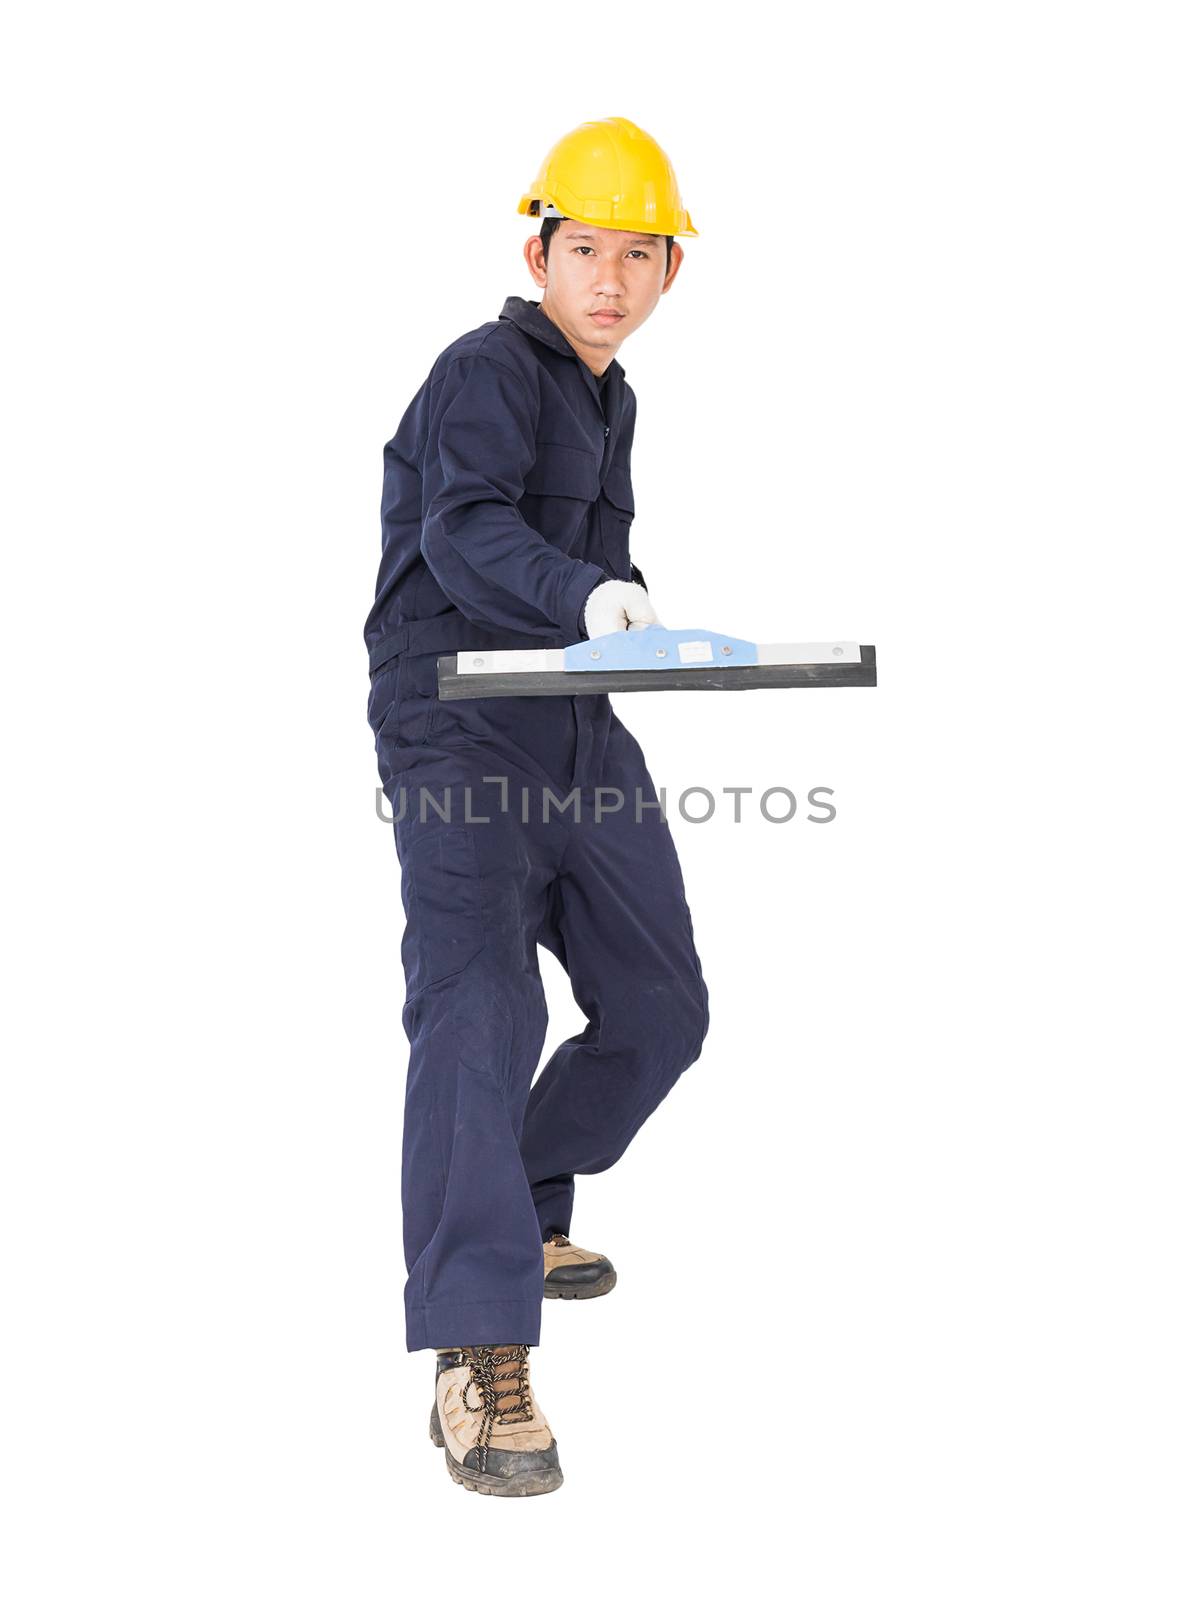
441	894
559	489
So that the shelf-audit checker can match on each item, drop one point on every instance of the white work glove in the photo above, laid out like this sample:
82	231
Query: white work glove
615	606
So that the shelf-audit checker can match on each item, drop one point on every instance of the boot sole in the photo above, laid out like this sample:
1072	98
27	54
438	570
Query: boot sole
586	1291
519	1488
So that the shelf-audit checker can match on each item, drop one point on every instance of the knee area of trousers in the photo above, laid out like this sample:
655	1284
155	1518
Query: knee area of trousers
674	1017
489	1016
501	1017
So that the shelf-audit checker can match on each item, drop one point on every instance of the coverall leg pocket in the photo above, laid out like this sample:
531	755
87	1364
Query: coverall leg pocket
441	894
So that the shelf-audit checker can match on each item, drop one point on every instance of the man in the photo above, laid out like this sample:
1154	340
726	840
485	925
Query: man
506	513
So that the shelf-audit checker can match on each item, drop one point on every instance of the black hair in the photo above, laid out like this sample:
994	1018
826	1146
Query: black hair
549	226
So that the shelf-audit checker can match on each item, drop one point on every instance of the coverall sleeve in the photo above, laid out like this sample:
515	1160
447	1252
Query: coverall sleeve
490	563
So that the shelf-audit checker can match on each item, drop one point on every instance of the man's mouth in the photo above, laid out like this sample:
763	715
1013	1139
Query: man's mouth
607	316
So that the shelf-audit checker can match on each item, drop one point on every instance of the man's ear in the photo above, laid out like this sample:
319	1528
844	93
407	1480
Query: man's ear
537	264
676	257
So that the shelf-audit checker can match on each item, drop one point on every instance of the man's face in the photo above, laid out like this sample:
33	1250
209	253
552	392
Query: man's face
600	284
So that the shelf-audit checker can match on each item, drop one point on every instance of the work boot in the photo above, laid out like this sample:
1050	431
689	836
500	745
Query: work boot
495	1439
571	1273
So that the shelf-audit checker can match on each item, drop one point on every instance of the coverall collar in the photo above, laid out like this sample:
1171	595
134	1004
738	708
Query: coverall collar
527	315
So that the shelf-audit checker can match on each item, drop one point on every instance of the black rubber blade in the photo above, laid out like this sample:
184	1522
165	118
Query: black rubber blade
455	685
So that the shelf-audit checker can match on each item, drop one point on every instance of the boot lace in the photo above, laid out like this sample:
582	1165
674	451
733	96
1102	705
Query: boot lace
503	1381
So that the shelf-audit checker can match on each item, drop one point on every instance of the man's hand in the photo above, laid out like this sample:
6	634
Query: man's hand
614	606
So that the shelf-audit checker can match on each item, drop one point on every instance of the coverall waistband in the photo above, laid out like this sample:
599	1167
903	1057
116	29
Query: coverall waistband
453	632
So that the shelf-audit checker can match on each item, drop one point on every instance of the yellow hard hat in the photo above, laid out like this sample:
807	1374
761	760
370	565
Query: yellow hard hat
613	174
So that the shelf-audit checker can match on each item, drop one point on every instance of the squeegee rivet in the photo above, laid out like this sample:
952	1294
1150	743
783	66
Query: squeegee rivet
660	652
727	649
478	661
594	655
837	651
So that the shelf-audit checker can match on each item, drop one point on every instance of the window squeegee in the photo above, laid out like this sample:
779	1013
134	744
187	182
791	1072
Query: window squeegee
656	658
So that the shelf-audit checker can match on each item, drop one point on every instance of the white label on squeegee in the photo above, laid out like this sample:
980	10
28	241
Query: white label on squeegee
488	661
695	650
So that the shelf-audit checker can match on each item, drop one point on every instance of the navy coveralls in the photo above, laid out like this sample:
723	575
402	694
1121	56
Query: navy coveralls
507	498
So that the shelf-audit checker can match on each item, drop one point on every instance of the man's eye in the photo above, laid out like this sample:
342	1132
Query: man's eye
589	247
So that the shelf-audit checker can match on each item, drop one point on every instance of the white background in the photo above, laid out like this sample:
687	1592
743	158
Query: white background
909	1263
